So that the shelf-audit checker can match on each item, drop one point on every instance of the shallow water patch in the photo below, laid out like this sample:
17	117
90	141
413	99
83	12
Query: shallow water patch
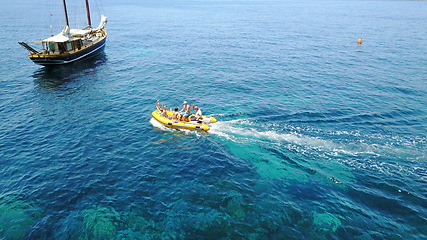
16	218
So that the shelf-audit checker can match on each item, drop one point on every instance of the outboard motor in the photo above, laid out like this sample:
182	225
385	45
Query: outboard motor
206	120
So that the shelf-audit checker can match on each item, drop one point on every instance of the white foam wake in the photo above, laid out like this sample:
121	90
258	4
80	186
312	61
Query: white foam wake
357	150
241	130
156	124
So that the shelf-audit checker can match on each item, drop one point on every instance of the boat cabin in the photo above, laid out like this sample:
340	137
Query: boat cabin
61	44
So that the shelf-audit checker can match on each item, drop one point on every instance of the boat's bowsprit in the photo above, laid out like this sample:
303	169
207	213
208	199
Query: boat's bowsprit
32	50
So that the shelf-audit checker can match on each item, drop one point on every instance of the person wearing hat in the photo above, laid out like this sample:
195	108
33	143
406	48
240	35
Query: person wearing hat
185	111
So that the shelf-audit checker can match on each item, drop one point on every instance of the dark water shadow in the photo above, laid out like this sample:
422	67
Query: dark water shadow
67	76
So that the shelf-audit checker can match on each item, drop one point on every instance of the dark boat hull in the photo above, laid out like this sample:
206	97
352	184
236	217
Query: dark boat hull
90	51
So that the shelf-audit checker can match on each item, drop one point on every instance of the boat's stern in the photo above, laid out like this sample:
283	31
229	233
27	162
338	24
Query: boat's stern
203	127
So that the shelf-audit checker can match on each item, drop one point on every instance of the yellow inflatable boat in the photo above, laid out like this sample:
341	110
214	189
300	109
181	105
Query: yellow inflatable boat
201	125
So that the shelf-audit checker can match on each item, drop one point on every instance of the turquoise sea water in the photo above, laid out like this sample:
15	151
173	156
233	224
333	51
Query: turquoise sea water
318	138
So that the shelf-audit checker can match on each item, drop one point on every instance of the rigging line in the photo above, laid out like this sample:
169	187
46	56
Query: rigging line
96	5
81	16
48	12
76	14
44	20
25	24
82	13
45	13
22	34
74	8
100	7
72	12
40	13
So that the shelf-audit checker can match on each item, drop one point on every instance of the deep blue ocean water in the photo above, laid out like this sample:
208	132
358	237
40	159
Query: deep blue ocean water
318	138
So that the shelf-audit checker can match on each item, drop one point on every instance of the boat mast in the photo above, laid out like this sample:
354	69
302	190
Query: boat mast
66	14
88	13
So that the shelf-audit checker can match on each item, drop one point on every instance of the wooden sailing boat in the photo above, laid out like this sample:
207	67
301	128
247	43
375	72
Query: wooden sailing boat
70	45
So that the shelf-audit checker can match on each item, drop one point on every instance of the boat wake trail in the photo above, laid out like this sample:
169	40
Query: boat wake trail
245	130
327	148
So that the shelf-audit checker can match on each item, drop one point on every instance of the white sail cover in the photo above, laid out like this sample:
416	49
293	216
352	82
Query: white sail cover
60	37
102	23
79	32
57	38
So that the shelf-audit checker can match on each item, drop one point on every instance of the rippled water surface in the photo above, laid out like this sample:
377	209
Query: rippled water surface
318	138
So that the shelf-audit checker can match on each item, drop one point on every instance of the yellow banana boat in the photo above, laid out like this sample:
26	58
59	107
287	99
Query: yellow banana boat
200	125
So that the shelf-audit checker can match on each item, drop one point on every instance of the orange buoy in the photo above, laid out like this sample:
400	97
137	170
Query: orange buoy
359	41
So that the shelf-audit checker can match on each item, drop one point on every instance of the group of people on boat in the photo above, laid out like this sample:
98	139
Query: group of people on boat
181	115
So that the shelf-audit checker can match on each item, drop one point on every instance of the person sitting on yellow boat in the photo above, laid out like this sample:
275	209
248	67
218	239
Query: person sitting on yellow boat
198	113
165	112
184	106
186	111
176	115
159	109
